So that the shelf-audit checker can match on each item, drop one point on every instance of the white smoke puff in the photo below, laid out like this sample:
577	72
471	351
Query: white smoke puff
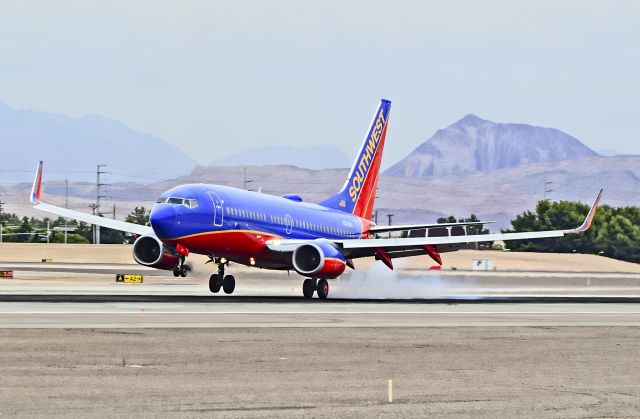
379	282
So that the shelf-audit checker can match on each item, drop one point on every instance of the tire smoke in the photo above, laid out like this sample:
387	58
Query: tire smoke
379	282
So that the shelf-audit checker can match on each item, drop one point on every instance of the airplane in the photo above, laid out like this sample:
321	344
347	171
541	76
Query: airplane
316	240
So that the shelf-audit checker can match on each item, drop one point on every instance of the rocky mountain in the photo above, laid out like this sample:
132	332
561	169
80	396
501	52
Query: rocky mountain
73	147
314	157
473	144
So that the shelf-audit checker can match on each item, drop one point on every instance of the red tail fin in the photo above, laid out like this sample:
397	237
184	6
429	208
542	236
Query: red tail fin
358	194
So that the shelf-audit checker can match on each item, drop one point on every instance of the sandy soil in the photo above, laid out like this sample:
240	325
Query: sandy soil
462	260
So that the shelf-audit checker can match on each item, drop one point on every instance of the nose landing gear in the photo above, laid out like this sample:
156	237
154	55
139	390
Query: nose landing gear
220	280
181	269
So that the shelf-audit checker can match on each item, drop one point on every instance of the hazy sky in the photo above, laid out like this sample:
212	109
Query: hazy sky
219	77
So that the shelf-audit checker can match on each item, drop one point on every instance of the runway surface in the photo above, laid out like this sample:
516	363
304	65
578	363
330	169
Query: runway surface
86	296
243	312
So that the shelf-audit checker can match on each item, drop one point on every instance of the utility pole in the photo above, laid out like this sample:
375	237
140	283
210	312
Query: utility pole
390	216
66	205
114	211
98	197
546	186
93	211
375	217
1	225
245	180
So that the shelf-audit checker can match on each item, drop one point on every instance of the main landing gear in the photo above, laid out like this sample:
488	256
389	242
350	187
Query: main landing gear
219	280
321	287
181	269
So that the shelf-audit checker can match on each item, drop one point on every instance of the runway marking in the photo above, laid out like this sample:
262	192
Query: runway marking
322	312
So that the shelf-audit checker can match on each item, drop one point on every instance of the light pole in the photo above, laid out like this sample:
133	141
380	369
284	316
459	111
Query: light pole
245	179
390	216
1	204
66	205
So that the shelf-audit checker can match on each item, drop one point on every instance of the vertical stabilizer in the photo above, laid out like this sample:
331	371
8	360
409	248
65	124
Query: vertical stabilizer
358	194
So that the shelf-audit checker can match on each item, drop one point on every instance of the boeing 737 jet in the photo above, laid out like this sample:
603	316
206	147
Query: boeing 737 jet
318	241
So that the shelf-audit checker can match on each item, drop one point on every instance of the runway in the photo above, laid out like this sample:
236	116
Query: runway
86	296
154	312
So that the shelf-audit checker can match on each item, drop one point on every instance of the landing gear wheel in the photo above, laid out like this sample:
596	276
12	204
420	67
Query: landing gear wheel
229	284
323	289
183	271
308	287
176	272
214	283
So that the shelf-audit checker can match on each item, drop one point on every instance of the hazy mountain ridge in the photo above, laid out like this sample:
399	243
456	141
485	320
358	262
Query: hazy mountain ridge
473	145
29	136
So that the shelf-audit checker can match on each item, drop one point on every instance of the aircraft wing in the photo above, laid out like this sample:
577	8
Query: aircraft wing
386	249
82	216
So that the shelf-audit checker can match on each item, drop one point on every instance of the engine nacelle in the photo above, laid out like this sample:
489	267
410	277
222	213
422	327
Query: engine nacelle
318	259
150	251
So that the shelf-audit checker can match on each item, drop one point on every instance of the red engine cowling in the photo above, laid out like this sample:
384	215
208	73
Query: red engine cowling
150	251
318	259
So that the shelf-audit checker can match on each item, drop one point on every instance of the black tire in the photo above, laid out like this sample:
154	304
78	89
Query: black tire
308	288
183	271
214	283
322	289
229	284
176	272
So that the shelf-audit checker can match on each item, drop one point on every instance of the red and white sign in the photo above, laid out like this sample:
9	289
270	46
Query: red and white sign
6	274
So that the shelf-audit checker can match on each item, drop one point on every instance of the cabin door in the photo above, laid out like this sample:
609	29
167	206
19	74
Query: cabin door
218	214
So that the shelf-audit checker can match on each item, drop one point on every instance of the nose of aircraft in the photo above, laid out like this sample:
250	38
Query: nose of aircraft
163	220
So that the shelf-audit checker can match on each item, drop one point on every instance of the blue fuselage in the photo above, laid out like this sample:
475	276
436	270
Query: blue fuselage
217	220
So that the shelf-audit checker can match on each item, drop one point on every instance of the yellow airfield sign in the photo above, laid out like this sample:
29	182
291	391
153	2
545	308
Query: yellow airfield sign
129	278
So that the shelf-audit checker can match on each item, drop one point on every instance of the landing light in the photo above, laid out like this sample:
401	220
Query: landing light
252	261
223	260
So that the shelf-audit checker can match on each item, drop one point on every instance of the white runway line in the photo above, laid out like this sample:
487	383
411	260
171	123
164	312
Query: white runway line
342	313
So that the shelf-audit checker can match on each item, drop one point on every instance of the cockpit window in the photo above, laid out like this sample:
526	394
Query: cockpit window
175	201
189	203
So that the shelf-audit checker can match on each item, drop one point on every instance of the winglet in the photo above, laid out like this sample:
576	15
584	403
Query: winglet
590	216
37	185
